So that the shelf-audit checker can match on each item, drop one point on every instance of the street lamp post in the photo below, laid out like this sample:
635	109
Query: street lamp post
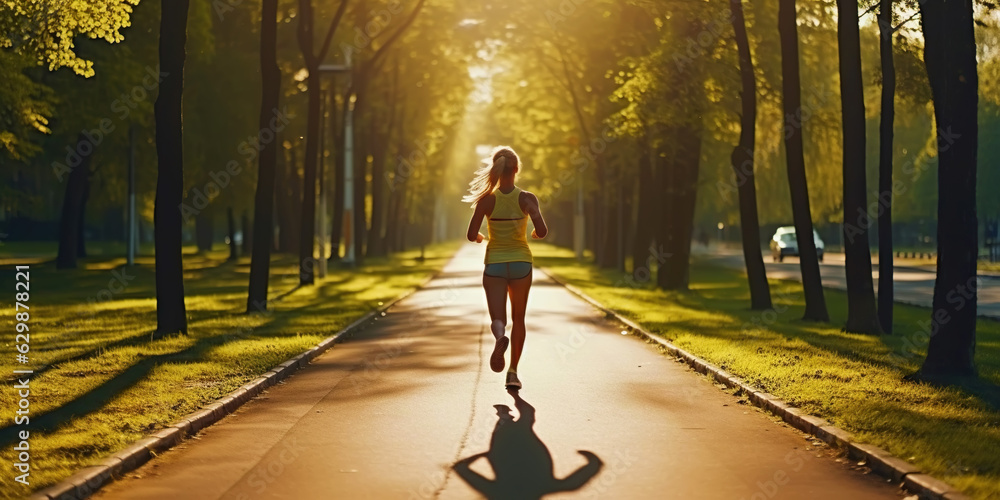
348	186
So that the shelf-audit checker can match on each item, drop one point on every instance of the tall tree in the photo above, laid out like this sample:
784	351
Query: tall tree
742	159
171	316
313	59
679	181
70	220
801	214
247	242
260	260
886	117
362	77
234	254
646	207
861	315
950	57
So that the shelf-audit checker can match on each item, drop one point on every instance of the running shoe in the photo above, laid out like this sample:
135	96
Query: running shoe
497	359
512	381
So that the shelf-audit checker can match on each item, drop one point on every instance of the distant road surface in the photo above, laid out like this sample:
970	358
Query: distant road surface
914	285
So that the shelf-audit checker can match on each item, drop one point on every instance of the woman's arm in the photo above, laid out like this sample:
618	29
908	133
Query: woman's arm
535	212
477	222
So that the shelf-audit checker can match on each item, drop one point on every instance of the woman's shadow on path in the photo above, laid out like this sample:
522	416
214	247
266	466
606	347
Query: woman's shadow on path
520	460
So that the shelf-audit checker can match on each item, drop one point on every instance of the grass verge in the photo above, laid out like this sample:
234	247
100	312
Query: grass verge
854	381
101	383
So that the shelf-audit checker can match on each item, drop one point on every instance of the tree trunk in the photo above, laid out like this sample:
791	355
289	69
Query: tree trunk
81	228
307	233
391	222
609	230
861	315
742	159
674	273
361	151
624	218
282	205
887	116
376	238
234	253
377	242
204	230
69	222
336	236
644	220
801	214
171	316
290	204
247	233
360	206
950	57
260	260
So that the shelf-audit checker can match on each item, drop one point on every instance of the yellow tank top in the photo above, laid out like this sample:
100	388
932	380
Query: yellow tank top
508	230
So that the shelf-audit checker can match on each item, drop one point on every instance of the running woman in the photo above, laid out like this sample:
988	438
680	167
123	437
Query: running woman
508	259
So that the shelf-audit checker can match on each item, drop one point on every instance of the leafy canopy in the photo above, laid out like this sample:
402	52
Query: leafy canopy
46	29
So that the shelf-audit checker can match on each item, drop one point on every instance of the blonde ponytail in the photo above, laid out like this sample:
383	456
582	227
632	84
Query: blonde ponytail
488	176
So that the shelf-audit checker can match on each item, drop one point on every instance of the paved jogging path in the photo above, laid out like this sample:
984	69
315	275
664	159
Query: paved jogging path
388	413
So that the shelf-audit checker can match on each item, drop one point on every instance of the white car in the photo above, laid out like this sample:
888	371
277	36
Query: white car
784	243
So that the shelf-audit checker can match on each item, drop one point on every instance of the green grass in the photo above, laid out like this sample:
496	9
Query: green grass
855	381
101	383
39	251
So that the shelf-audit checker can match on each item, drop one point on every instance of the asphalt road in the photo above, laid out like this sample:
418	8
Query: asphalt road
912	285
408	408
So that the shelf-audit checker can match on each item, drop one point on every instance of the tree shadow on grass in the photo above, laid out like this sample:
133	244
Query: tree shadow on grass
103	394
522	464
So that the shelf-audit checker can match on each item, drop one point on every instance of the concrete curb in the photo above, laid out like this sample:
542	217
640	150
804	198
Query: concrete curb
880	461
88	480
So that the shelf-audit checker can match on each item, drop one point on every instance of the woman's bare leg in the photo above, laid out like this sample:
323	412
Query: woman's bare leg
518	289
496	302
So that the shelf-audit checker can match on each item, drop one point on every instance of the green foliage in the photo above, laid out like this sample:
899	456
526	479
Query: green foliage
46	29
25	107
